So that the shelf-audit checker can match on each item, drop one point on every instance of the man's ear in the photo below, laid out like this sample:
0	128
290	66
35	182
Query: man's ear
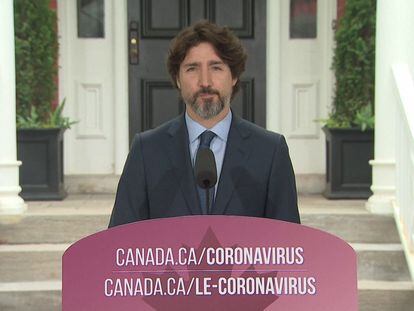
235	81
178	83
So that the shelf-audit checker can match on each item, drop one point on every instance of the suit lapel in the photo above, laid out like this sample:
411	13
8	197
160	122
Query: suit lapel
178	151
236	154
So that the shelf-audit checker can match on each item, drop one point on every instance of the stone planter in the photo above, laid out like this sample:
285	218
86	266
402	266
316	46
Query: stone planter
41	173
348	173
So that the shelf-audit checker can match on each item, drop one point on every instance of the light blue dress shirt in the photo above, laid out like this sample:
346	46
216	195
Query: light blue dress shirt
217	145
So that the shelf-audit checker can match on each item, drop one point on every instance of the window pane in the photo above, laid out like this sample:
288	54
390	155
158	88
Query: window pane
91	19
303	19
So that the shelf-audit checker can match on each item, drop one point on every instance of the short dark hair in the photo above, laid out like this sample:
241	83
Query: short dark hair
226	44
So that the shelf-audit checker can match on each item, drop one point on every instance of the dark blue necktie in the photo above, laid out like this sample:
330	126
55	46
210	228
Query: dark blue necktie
205	139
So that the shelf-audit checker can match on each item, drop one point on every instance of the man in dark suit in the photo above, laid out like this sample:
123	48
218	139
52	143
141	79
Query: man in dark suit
255	174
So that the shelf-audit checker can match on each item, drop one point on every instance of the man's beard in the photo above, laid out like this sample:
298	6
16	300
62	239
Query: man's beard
208	108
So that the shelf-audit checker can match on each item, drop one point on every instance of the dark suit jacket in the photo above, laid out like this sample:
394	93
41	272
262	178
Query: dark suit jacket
256	180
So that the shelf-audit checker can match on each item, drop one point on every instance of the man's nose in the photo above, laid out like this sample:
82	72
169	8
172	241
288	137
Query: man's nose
204	78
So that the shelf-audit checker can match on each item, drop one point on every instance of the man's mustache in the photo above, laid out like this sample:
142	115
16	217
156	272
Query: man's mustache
206	90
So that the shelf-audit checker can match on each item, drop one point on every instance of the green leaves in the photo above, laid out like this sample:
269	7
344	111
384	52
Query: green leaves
365	118
31	120
354	66
36	65
54	120
57	120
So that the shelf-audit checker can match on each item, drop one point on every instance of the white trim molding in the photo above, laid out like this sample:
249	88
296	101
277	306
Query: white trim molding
120	84
383	191
383	166
404	145
10	201
273	45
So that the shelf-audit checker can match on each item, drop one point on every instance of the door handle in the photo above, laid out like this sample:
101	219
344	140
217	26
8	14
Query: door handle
133	44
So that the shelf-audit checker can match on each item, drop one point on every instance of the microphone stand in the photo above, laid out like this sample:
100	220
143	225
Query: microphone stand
208	200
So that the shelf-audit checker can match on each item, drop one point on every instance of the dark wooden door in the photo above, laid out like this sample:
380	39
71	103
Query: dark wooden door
153	23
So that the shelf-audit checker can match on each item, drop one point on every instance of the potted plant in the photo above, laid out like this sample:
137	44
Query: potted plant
349	129
40	124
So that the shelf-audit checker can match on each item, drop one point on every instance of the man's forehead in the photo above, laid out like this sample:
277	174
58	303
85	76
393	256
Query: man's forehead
203	51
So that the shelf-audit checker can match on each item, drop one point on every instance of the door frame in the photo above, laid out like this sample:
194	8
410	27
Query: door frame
273	61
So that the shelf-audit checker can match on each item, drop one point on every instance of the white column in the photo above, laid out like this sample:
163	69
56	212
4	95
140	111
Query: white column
273	47
383	166
10	202
120	83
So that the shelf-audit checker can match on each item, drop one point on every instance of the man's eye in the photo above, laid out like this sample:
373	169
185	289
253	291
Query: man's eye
218	68
189	69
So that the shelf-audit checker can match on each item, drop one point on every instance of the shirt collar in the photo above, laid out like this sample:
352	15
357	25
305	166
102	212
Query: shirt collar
221	129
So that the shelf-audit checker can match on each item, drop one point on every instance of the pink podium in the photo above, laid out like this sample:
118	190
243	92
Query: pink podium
210	263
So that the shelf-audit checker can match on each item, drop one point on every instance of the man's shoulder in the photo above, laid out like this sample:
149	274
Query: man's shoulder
249	128
160	132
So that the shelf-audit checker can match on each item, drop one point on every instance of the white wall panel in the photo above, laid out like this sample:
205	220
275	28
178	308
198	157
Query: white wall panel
305	110
89	111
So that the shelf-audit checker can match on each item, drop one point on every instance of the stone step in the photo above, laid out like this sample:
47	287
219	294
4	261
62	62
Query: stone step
395	299
31	247
35	229
381	262
355	228
20	263
31	301
68	228
385	296
29	263
386	300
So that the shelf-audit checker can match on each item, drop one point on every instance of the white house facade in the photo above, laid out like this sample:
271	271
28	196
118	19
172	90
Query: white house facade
93	77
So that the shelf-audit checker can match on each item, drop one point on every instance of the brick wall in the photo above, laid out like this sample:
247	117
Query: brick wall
340	8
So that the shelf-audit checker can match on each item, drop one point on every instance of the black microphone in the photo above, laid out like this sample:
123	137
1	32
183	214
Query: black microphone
205	169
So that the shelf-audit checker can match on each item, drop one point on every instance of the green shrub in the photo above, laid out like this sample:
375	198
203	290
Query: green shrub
36	65
354	66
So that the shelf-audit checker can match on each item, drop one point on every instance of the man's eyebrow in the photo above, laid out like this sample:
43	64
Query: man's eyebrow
216	62
212	62
191	64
